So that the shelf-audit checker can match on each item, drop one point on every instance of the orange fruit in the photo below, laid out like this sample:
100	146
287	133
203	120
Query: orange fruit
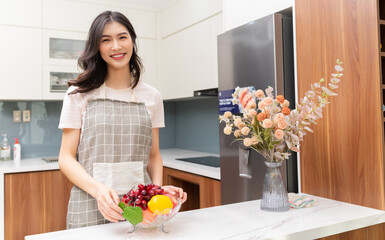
160	204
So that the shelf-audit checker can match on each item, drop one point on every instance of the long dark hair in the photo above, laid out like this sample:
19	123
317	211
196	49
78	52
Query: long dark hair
95	68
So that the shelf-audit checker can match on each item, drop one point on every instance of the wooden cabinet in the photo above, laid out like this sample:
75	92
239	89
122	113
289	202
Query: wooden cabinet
202	191
35	202
344	158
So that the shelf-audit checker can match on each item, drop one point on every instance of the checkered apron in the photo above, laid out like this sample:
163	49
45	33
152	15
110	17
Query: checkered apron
114	147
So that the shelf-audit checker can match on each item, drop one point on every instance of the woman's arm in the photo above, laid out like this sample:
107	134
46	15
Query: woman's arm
106	197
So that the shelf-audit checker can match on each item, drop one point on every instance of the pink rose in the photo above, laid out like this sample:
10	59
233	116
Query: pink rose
282	124
238	122
247	142
268	100
278	134
251	104
267	123
279	117
237	133
254	140
261	105
285	103
252	112
227	114
245	131
259	93
227	130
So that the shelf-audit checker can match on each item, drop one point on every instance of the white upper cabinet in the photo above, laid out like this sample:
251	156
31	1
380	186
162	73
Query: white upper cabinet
70	15
144	22
21	63
185	13
21	12
176	66
189	59
204	54
78	16
147	51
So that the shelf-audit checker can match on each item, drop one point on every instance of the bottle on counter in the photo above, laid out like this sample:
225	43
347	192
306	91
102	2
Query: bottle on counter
16	151
5	151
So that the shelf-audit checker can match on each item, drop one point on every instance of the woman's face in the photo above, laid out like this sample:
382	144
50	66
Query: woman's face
116	45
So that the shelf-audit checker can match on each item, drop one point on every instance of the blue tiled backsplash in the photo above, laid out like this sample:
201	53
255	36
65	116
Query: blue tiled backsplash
191	124
38	138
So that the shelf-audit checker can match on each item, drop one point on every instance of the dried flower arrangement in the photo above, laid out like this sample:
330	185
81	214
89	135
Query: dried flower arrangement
269	126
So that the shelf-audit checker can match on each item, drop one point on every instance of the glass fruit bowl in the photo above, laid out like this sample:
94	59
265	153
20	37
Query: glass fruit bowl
156	219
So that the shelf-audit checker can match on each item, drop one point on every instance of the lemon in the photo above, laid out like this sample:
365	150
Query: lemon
159	203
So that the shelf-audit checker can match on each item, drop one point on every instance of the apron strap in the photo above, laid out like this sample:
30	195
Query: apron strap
102	91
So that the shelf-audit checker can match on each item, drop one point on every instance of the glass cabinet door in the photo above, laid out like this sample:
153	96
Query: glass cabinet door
60	48
58	81
55	80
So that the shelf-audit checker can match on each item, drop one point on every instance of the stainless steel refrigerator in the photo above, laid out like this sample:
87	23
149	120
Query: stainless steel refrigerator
259	54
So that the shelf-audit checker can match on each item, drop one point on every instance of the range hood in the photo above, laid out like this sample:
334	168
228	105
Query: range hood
211	92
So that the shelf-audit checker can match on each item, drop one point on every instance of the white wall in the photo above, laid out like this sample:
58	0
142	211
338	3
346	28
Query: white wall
239	12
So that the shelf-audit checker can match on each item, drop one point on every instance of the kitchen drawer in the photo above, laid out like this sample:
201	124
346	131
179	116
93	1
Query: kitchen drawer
201	191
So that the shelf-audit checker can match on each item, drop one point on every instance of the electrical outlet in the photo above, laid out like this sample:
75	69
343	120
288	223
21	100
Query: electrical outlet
17	116
26	115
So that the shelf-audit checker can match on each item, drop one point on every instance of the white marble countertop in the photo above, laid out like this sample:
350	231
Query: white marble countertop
27	165
168	155
240	221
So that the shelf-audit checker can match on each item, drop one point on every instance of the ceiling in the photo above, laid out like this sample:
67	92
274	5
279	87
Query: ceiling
153	4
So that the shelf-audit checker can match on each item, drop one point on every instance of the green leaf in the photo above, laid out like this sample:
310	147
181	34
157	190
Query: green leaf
235	140
133	214
122	205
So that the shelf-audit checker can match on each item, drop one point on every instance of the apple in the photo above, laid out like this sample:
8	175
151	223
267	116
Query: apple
174	200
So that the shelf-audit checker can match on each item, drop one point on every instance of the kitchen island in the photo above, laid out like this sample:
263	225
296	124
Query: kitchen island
240	221
38	166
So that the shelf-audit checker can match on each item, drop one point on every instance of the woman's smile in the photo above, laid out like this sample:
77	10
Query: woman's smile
118	56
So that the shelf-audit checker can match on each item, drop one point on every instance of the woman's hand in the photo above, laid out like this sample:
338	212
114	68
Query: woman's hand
176	191
108	201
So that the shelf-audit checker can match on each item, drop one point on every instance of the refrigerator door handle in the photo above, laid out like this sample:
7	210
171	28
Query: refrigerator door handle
244	167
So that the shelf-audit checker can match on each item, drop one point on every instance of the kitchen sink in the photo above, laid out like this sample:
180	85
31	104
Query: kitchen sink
50	159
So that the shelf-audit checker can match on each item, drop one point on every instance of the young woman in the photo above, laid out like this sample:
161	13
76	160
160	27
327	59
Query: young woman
110	121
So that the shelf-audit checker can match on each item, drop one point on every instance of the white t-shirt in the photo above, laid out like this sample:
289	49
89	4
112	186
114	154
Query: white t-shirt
74	105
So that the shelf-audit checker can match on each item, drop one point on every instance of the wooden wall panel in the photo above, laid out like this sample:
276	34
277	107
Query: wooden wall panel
343	158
